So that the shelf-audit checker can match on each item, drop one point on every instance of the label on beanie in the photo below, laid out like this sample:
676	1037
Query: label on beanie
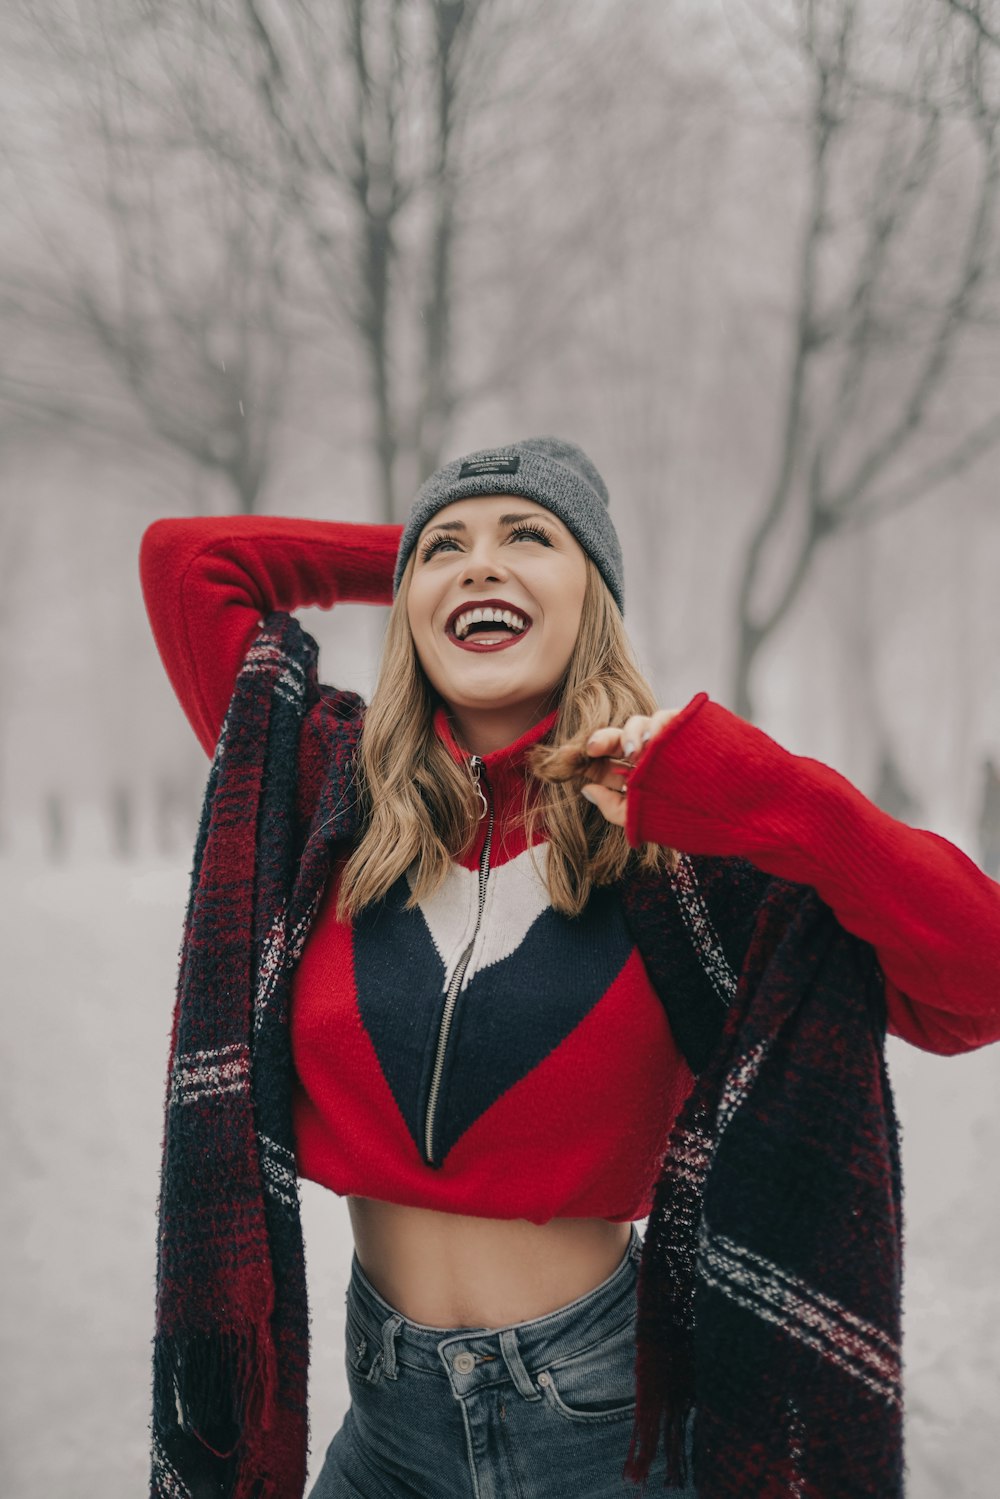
490	463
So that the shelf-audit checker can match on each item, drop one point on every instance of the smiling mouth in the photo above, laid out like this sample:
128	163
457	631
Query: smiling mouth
488	640
488	628
482	637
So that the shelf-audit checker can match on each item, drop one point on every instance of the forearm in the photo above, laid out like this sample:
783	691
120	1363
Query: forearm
712	783
208	581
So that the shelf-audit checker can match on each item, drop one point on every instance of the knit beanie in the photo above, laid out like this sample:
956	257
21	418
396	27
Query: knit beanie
553	473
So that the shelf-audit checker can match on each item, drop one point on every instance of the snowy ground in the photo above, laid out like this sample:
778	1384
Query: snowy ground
91	958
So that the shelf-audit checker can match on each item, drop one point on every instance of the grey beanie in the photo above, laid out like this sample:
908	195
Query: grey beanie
553	473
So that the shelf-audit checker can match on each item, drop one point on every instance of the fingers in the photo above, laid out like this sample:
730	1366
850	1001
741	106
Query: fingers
610	803
604	742
629	740
632	731
604	784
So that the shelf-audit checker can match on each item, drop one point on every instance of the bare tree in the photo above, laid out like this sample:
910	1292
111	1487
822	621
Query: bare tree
386	120
876	338
361	109
982	14
158	279
223	140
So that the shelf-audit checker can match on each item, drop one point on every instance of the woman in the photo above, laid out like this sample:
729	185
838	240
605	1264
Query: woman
483	1065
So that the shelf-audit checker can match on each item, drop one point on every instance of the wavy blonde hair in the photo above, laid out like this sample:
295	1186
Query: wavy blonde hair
418	805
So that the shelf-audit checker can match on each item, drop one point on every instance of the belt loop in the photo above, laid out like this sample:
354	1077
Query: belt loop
518	1373
390	1327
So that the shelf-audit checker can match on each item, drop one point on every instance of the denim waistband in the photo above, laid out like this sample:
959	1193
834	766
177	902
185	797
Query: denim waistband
473	1356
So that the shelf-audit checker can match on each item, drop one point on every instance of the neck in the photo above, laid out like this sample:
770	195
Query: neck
483	730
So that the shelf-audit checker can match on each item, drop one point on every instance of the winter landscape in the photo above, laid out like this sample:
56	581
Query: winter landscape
283	259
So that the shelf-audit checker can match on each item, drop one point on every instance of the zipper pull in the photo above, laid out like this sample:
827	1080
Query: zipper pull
476	765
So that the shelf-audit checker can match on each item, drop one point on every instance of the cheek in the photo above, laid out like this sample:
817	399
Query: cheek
569	642
568	610
418	613
562	641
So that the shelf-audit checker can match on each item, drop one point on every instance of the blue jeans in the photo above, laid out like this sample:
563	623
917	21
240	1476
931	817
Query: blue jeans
536	1410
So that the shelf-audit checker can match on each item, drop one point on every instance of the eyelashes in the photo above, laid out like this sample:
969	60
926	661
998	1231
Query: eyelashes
522	528
529	528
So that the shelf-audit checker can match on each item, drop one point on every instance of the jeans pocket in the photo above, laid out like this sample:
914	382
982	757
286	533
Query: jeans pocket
362	1352
598	1382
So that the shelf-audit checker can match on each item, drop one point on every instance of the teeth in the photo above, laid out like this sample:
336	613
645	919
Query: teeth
472	616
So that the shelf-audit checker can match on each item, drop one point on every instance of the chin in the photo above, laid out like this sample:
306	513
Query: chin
511	693
487	699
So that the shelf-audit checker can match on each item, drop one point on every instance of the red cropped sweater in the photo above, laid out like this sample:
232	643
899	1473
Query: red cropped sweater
483	1054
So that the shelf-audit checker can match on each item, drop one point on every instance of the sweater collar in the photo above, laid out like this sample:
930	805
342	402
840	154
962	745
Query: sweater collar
505	767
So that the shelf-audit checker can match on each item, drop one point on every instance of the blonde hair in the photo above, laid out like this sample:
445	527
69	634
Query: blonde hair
420	806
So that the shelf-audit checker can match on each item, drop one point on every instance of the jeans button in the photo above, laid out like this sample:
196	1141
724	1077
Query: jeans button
464	1363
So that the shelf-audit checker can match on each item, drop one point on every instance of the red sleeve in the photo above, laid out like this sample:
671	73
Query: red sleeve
207	582
712	783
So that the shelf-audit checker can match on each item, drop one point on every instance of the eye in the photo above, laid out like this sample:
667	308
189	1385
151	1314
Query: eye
433	544
529	528
521	528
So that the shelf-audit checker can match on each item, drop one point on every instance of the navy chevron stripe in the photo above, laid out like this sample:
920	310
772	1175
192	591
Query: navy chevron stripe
510	1015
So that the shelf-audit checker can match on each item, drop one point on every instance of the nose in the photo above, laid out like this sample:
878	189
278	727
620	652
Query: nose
483	562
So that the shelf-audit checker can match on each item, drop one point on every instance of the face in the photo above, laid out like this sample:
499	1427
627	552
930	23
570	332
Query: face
519	558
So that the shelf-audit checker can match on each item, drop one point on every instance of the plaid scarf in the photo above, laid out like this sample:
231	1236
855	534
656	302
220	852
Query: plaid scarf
769	1288
231	1343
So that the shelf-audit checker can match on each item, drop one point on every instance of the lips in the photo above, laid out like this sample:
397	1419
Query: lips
470	643
476	642
462	608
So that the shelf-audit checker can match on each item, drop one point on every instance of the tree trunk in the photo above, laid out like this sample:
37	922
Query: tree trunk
437	400
748	643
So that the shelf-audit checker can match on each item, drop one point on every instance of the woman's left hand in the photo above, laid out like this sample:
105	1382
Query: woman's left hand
614	752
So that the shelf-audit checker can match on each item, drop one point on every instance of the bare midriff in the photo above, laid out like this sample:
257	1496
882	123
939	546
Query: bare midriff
448	1270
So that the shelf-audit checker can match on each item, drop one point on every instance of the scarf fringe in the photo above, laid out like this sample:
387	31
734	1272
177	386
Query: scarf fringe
216	1386
663	1404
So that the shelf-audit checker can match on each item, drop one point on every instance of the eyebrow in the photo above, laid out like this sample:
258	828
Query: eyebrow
503	520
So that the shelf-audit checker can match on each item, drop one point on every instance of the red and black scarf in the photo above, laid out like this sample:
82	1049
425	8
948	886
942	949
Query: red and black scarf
769	1296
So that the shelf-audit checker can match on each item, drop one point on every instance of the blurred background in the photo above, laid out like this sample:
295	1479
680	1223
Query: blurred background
283	257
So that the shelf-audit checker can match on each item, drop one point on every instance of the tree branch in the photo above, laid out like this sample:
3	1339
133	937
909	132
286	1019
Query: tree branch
972	447
972	13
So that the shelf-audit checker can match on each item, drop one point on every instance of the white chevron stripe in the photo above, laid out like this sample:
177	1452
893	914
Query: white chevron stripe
450	913
516	895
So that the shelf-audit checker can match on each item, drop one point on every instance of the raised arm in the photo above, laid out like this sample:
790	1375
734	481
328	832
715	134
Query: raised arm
208	581
712	783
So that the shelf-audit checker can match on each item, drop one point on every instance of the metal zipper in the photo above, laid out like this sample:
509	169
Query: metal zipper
451	998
